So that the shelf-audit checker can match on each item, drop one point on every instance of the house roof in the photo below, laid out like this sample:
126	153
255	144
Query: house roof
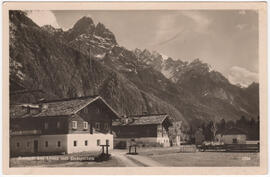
53	108
234	131
145	120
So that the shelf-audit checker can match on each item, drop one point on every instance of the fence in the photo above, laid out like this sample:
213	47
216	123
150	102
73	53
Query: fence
188	148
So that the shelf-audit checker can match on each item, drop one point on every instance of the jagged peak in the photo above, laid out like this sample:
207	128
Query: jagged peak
146	51
84	25
104	32
253	85
51	29
85	20
199	63
137	51
100	26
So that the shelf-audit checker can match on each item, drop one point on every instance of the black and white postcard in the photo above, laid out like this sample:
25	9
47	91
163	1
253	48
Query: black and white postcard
140	88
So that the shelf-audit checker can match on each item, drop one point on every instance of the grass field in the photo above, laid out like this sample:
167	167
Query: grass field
51	161
172	157
164	156
113	162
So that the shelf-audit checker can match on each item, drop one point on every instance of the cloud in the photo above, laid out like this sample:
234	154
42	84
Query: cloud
170	27
242	76
43	17
200	20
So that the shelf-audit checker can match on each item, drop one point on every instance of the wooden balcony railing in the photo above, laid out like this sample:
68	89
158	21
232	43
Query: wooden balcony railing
26	132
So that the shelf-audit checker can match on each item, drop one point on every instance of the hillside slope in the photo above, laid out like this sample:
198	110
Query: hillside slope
40	61
87	60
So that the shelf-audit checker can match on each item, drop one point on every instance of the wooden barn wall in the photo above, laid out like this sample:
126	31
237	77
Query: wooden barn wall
135	131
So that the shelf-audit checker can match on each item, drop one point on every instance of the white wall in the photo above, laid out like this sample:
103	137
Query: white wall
24	141
228	139
164	140
66	143
92	142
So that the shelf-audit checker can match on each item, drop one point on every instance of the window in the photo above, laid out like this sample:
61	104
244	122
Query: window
91	128
98	142
58	124
58	143
18	144
234	141
74	143
97	126
106	126
107	142
74	124
46	144
85	125
86	143
46	125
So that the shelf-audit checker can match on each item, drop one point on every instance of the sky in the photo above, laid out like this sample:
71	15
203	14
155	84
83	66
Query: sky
225	39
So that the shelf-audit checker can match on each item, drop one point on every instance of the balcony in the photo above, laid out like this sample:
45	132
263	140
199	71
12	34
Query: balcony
26	132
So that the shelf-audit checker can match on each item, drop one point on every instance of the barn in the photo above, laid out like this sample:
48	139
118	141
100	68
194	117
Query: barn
61	126
233	136
151	129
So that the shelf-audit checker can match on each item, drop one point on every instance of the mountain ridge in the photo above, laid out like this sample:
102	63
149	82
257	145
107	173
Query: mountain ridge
90	61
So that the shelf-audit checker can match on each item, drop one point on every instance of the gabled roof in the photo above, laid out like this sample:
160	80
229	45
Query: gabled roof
151	119
234	131
53	108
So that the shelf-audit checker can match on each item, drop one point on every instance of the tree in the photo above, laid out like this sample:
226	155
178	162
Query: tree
209	136
222	125
230	124
214	130
242	123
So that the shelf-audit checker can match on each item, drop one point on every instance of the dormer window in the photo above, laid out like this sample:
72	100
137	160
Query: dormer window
85	125
74	124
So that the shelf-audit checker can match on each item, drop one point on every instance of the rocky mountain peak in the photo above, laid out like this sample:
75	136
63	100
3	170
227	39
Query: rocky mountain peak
131	81
102	31
84	25
146	53
253	86
137	52
199	66
51	29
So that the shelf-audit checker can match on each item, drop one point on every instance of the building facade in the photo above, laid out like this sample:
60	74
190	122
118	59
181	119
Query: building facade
144	129
232	136
61	126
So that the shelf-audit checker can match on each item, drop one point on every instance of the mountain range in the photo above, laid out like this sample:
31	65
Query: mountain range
87	60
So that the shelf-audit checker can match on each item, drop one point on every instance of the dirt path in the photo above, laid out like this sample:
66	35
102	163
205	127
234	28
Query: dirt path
123	157
135	160
145	161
